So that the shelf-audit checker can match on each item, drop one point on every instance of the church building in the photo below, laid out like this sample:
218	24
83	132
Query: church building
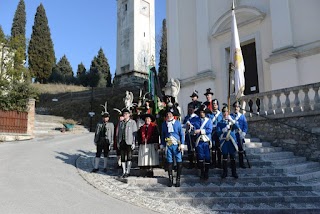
280	42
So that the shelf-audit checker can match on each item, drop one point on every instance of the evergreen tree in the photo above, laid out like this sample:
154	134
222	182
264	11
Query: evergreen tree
64	66
100	66
62	72
82	75
163	72
18	33
2	36
81	70
41	52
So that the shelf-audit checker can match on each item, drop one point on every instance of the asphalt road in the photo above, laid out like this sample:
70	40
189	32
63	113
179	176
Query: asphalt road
39	176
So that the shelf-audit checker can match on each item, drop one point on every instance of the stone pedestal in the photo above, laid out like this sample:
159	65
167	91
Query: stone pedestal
135	79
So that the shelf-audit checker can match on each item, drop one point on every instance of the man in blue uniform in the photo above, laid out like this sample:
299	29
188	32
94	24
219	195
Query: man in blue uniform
228	142
215	116
203	130
241	121
172	138
188	124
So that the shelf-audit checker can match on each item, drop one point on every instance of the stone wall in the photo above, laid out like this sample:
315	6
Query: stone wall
6	136
299	133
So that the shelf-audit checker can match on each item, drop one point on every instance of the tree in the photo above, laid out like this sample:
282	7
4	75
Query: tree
41	52
163	72
2	36
81	70
100	67
62	72
18	33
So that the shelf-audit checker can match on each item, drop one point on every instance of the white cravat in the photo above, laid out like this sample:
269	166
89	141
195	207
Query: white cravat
170	126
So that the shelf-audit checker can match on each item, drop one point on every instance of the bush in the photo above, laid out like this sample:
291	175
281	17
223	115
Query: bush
15	95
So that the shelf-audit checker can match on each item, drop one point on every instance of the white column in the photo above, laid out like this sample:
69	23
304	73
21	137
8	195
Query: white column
203	50
282	35
173	55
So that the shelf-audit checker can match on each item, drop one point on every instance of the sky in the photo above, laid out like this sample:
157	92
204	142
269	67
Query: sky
79	28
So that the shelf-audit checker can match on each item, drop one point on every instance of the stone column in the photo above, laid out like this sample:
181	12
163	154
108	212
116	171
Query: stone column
31	117
282	34
173	43
203	47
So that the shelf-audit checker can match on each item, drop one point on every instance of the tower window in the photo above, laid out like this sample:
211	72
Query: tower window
144	34
125	7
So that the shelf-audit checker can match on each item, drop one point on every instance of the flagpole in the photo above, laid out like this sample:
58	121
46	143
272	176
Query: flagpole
230	70
229	86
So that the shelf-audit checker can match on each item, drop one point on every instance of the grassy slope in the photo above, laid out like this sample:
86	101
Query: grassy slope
74	102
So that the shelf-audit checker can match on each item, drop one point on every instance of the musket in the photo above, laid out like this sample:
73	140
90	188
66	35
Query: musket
245	155
244	151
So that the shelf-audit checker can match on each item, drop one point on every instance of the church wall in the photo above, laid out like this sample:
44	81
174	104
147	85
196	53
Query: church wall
287	43
305	21
188	47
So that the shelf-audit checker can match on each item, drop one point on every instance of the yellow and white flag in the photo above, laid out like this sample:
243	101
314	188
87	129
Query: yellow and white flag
236	58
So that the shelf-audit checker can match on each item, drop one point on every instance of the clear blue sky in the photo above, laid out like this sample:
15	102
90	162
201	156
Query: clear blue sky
78	27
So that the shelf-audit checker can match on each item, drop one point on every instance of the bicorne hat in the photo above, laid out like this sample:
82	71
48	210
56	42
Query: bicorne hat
208	91
194	94
144	116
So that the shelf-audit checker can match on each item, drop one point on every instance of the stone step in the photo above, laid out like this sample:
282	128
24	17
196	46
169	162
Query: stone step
210	199
275	155
257	144
189	180
300	167
286	161
251	140
263	207
263	150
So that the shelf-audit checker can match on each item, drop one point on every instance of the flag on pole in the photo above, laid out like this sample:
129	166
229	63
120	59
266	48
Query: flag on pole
154	88
236	58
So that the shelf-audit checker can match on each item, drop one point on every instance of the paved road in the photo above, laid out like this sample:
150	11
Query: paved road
39	176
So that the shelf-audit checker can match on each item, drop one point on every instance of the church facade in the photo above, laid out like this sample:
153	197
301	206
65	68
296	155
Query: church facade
135	41
280	42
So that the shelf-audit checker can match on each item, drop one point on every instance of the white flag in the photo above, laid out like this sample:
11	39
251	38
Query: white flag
236	58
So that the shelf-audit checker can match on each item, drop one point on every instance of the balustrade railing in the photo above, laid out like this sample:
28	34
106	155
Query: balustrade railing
293	100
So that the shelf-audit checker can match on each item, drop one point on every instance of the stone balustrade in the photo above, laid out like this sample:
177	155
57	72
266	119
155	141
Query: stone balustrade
294	101
288	117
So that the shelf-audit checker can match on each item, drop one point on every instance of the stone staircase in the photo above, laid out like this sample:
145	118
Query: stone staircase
47	125
277	182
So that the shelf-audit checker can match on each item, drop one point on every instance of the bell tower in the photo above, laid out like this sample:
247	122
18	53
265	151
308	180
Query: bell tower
135	41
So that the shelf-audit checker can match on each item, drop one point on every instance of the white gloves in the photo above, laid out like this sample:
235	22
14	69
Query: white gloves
231	120
225	129
133	146
243	134
161	146
109	147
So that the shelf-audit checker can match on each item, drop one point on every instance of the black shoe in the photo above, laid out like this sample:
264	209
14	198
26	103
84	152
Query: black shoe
105	170
125	175
94	170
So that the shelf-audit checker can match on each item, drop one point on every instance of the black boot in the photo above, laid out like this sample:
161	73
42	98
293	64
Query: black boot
179	169
170	182
225	168
190	158
241	163
201	165
206	171
214	160
219	159
233	168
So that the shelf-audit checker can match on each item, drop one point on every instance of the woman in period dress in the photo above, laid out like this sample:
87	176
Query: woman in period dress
148	139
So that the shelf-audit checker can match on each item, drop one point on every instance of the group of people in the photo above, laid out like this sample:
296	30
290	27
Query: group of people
212	136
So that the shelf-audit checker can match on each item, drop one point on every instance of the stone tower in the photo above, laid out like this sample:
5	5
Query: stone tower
135	41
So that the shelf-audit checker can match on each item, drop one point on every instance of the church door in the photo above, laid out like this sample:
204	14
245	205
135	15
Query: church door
251	72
